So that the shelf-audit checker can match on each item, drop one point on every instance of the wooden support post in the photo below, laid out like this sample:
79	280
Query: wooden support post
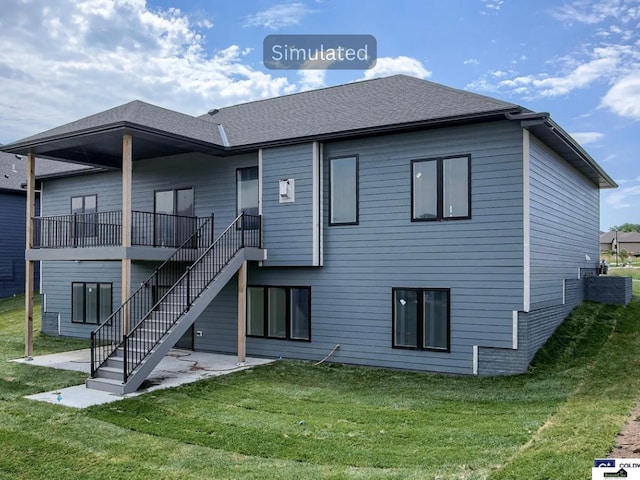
242	313
28	284
127	158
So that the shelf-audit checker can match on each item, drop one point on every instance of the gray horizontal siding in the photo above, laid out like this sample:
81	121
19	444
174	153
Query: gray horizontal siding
288	227
564	224
480	260
57	193
56	285
12	241
212	178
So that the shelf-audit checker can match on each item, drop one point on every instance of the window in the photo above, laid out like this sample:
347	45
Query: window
174	217
247	190
84	209
90	302
421	318
440	188
247	195
279	312
343	191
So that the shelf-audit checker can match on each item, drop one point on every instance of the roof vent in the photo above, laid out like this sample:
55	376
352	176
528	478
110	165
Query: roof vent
213	111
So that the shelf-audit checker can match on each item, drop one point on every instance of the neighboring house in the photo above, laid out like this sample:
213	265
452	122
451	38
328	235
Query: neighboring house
13	218
396	222
628	241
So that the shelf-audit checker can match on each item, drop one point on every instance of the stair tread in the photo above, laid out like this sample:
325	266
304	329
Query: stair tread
107	380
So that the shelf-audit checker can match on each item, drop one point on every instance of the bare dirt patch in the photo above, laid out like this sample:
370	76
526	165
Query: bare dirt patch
628	442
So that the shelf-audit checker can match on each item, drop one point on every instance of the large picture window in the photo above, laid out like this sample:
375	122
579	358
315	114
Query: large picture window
279	312
343	191
441	188
421	318
91	302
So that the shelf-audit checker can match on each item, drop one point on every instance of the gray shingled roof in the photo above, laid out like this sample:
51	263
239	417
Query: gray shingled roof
371	104
13	170
623	237
366	107
140	114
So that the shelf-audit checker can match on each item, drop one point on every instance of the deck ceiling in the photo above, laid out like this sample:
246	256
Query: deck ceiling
104	148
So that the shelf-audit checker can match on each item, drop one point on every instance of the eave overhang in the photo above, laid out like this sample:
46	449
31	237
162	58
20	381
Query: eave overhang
543	127
102	146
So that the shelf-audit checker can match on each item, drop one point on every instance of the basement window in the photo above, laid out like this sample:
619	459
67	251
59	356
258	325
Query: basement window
421	318
279	312
91	302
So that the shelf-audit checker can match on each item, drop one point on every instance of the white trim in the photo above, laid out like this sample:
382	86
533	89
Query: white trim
260	264
526	227
475	359
321	202
315	223
514	340
259	181
564	291
44	302
59	324
579	273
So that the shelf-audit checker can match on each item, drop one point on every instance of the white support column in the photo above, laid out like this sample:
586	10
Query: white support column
127	158
28	286
242	314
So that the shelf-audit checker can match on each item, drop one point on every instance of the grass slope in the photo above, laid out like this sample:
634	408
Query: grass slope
293	420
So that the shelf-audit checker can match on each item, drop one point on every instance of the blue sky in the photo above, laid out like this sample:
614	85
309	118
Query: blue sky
579	60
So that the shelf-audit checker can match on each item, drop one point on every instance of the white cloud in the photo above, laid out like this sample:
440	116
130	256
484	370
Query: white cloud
471	61
282	15
602	64
64	60
624	97
494	5
603	61
310	79
593	12
386	66
587	137
623	197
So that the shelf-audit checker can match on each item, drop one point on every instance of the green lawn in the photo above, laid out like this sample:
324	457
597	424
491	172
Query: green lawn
291	420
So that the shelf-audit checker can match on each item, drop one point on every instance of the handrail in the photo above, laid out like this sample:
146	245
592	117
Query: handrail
106	338
244	231
100	229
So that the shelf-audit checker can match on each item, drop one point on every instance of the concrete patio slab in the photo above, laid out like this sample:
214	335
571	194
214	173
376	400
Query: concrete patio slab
177	368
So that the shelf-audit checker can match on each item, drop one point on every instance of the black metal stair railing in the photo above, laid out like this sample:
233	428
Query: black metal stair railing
245	231
106	338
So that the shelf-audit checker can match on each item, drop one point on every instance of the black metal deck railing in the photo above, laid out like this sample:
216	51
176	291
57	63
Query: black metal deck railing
174	286
104	229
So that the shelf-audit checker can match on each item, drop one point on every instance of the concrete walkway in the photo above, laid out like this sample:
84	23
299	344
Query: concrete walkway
177	368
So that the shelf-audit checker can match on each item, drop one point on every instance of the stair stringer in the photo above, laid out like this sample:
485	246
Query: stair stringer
176	332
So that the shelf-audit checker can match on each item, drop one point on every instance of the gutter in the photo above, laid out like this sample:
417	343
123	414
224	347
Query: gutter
543	120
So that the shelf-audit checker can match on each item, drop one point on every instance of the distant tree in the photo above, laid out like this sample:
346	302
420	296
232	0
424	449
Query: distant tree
626	227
